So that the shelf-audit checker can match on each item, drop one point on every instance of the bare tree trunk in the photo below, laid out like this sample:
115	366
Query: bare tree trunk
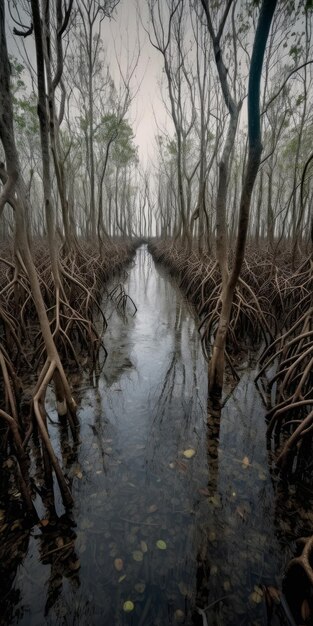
217	363
15	193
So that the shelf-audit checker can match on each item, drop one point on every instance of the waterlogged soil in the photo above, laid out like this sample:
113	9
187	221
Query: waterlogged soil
173	522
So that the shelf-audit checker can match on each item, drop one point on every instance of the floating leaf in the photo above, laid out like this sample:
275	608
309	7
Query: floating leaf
242	511
137	555
216	501
143	546
181	466
183	588
257	595
161	544
245	462
44	522
189	453
153	508
204	491
128	606
121	578
179	615
140	587
118	564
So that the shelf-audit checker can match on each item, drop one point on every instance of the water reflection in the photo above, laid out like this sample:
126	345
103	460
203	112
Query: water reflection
183	539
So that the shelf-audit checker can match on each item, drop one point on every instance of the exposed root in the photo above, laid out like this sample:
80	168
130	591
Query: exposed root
77	325
199	277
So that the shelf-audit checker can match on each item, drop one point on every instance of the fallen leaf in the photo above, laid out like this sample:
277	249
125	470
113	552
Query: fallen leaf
204	491
118	564
137	555
140	587
245	462
179	615
44	522
226	585
189	453
121	578
182	588
74	565
161	544
181	466
242	511
257	595
153	508
128	606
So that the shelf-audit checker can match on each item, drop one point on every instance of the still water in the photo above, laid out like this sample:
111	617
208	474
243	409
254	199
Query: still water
170	517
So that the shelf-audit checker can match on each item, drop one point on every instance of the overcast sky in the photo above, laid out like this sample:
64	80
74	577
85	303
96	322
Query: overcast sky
131	17
120	39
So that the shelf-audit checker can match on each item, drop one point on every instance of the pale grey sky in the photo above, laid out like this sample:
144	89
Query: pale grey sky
121	35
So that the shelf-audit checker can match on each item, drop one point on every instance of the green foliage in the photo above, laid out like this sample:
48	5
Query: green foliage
17	70
119	132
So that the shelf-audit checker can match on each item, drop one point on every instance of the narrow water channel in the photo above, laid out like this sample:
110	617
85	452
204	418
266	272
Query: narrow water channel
167	518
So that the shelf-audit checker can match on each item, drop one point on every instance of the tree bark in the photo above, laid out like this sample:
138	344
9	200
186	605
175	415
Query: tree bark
217	363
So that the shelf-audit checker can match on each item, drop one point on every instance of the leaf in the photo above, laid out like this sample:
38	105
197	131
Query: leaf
44	522
305	610
181	466
179	615
257	595
140	587
161	544
118	564
204	491
128	606
143	546
137	555
121	578
153	508
245	462
241	510
182	588
74	565
189	453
